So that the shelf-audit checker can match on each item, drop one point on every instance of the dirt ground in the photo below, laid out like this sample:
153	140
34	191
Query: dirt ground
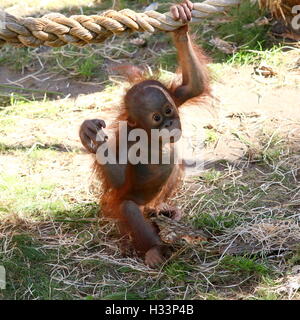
238	93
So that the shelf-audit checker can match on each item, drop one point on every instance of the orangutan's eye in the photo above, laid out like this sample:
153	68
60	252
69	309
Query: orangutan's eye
157	117
168	110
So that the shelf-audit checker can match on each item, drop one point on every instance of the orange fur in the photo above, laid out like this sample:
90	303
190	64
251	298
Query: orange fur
112	198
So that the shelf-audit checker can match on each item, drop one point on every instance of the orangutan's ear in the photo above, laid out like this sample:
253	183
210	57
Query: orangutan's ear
131	73
131	123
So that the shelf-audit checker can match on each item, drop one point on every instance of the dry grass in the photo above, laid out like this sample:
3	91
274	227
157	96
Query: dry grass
247	199
280	8
249	206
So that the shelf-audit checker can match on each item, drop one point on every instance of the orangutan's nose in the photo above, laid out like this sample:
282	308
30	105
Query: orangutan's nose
168	123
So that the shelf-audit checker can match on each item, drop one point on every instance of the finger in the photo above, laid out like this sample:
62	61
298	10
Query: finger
158	261
182	14
190	4
175	12
154	262
86	141
95	125
187	12
91	134
101	136
96	137
100	123
149	262
89	124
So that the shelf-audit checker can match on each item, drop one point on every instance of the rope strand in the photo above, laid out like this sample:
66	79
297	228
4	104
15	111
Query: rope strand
56	30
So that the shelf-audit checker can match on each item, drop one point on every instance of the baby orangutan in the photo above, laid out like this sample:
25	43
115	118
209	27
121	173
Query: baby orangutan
129	188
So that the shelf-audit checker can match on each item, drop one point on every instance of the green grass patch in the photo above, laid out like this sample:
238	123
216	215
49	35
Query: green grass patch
22	194
21	58
247	265
76	212
211	136
28	272
211	176
215	223
168	61
122	295
36	199
248	40
77	62
178	271
265	289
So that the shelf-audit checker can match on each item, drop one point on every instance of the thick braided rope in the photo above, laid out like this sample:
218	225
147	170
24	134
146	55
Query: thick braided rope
56	30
